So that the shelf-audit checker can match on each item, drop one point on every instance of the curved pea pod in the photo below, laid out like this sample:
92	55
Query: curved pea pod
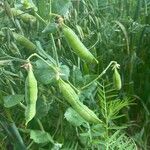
117	79
68	93
30	112
24	16
24	42
77	46
86	113
31	93
72	98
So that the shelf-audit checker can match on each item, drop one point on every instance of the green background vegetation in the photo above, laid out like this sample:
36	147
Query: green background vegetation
113	30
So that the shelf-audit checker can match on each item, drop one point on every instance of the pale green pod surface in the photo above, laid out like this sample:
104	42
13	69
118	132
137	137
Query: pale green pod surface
31	93
73	99
30	112
117	79
86	113
68	93
24	42
77	45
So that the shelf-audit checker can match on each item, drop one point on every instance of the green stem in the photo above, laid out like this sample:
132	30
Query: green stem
40	18
22	105
40	125
55	50
36	55
73	87
50	6
53	14
13	58
104	71
29	146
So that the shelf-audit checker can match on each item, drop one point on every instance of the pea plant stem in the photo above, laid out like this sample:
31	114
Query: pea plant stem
13	58
55	50
40	125
36	55
22	105
29	146
40	18
50	6
53	14
103	72
73	86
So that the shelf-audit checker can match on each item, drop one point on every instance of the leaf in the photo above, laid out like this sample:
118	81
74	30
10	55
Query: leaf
50	28
44	73
115	106
56	146
12	100
77	77
89	91
44	54
42	108
98	130
73	117
120	141
40	136
65	71
61	7
84	138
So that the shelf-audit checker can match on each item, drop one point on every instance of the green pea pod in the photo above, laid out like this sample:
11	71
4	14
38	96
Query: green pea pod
117	79
24	42
72	98
31	92
30	112
24	16
86	113
77	46
68	93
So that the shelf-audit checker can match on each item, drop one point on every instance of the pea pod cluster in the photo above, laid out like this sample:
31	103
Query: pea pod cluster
77	46
31	93
72	98
117	79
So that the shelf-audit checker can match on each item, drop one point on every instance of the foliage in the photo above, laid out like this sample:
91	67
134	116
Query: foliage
115	32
